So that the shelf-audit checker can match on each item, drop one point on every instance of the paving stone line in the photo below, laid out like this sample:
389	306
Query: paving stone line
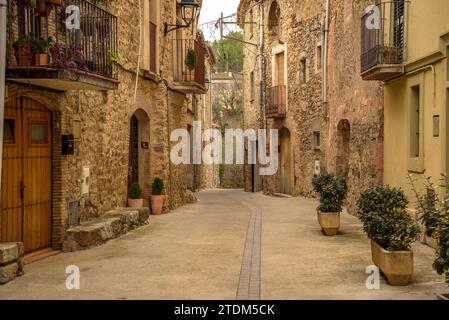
249	283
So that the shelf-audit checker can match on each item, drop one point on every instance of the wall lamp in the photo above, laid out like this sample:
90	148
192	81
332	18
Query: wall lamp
188	10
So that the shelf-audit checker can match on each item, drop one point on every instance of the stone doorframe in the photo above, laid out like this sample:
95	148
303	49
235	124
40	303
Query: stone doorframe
144	150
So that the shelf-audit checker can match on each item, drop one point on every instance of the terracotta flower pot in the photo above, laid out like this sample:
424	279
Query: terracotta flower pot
22	52
157	203
42	59
329	222
397	266
135	203
55	2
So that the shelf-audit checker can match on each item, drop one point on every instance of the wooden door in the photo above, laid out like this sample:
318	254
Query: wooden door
286	164
26	183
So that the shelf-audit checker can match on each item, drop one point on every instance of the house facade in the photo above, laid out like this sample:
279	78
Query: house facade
329	119
413	66
91	112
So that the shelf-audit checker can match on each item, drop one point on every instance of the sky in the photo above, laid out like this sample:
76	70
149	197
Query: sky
211	10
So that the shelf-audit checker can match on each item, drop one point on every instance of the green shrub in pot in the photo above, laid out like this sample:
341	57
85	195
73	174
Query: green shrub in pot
392	230
383	213
332	190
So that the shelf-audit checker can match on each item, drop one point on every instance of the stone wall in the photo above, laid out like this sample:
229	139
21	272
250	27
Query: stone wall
11	261
105	128
352	104
351	99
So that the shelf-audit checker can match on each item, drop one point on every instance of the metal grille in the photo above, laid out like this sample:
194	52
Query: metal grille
383	41
276	102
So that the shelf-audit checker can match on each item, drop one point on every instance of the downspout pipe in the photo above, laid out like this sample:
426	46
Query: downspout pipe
3	16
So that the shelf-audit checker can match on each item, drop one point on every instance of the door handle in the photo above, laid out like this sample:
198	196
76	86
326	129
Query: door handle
22	190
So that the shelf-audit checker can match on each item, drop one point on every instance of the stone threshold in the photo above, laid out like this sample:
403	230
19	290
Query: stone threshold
111	225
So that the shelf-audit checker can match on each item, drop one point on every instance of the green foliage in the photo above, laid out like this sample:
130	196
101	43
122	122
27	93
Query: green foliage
114	56
434	213
158	186
191	59
229	53
40	45
383	212
332	191
136	191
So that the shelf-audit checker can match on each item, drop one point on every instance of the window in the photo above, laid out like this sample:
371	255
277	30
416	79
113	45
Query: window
274	20
251	25
302	71
319	57
251	86
415	115
150	32
39	132
9	131
316	140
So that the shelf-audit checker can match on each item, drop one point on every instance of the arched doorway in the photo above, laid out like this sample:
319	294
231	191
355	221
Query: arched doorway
285	182
26	212
139	151
343	140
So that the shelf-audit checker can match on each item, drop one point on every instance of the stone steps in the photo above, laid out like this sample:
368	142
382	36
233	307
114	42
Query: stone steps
112	225
11	261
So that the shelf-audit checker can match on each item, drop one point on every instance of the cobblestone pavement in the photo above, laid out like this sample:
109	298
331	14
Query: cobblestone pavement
228	245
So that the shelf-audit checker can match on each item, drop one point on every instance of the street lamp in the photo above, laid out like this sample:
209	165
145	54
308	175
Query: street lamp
188	11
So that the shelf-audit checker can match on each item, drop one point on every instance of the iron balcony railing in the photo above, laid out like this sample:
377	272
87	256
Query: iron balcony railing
189	62
383	33
276	102
38	36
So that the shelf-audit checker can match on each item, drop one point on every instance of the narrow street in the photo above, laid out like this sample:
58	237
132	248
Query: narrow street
228	245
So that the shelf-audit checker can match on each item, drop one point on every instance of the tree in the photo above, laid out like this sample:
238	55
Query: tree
229	53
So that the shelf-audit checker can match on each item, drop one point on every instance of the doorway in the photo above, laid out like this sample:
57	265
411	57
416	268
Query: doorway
343	141
285	162
26	212
139	151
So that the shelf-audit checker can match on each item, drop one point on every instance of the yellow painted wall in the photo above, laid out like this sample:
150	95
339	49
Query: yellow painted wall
427	20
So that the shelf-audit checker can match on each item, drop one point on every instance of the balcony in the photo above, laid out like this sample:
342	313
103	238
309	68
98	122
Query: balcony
189	66
383	41
44	50
276	102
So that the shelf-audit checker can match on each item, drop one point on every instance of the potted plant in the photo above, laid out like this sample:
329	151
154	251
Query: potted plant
391	229
390	55
190	62
434	214
157	198
22	51
135	196
332	190
40	47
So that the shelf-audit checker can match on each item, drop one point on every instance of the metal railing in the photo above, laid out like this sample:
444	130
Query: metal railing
383	35
276	102
186	68
40	37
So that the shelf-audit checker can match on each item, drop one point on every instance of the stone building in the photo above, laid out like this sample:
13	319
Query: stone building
329	120
94	112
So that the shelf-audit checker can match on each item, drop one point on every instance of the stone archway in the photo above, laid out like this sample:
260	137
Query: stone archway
343	142
285	161
139	169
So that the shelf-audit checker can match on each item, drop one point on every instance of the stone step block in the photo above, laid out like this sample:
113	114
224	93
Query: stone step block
111	225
